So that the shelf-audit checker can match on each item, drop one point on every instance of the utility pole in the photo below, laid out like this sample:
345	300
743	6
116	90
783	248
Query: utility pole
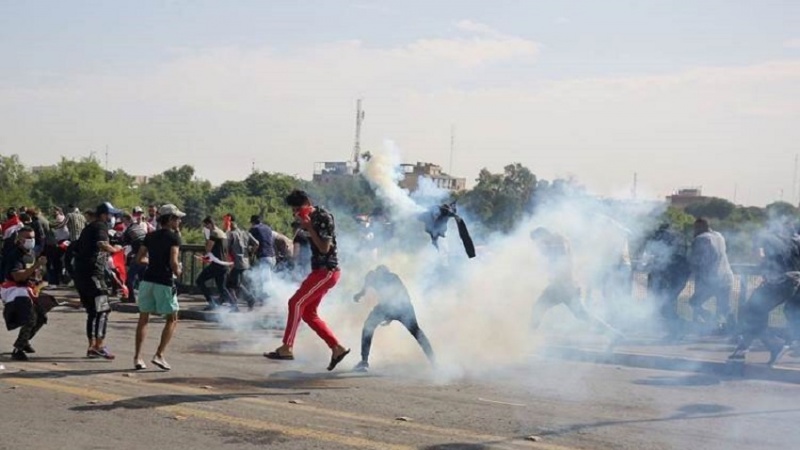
106	157
357	145
794	182
735	192
635	185
452	147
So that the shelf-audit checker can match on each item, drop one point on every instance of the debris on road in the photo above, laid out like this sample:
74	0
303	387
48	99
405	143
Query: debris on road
296	402
404	419
534	438
208	388
179	417
93	402
127	375
499	402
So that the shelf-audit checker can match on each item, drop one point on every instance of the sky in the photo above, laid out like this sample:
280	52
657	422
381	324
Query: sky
682	93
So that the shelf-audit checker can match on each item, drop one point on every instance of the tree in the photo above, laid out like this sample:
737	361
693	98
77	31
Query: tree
83	183
782	210
500	200
714	208
16	183
178	185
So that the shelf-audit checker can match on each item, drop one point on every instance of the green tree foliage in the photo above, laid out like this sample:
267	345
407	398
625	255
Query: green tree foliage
16	182
83	183
782	210
713	208
179	186
499	200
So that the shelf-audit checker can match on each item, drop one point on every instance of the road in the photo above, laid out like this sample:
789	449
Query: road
222	394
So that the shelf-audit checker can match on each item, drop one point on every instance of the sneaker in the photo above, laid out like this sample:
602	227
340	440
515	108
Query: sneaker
139	365
775	354
28	349
161	362
19	355
362	367
100	353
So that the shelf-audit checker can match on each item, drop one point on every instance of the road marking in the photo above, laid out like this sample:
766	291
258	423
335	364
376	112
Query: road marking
499	402
260	425
431	430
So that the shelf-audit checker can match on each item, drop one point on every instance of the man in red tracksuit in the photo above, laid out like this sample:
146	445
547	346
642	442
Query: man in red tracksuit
324	275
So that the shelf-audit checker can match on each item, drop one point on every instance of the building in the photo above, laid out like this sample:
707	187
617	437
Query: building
40	169
685	197
413	172
326	172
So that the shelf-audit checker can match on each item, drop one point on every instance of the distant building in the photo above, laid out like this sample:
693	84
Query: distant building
326	172
139	180
685	197
413	172
40	169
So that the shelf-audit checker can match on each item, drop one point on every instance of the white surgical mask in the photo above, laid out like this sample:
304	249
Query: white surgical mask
29	244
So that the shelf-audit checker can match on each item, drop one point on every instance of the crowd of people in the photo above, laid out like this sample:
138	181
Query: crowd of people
106	250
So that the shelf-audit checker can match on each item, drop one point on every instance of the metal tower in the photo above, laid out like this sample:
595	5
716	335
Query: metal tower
357	145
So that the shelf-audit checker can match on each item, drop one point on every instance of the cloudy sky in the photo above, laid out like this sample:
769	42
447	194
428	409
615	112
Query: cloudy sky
684	93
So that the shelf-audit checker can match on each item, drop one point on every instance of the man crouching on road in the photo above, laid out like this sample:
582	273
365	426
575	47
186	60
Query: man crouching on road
324	275
160	252
24	307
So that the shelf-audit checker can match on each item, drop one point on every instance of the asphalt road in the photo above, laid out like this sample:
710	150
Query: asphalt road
222	393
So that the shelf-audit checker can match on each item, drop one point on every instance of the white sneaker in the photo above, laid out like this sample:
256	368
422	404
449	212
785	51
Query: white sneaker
139	365
161	362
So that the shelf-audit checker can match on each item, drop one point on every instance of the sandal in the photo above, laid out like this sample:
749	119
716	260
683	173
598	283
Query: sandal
278	356
336	360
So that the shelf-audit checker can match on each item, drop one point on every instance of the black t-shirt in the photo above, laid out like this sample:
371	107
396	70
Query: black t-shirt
159	244
323	223
15	260
89	259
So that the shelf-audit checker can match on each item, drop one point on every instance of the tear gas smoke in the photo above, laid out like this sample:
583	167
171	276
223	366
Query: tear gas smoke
477	313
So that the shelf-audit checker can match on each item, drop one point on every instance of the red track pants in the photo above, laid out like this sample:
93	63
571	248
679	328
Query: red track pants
304	303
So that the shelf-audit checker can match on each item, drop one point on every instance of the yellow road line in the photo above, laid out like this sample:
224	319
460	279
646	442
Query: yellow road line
300	432
433	430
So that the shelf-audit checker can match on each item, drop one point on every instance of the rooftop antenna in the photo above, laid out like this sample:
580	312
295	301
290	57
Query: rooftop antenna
357	145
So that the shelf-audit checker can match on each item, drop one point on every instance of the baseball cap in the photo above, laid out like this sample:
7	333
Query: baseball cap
137	210
170	210
106	208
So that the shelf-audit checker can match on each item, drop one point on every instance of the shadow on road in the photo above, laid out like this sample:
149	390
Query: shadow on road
156	401
282	380
60	373
687	412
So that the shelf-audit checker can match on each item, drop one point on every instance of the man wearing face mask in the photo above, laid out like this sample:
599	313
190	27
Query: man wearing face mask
217	268
22	308
324	275
91	260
